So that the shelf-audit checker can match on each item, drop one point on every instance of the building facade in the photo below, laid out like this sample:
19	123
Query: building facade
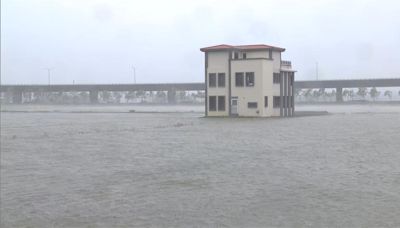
248	81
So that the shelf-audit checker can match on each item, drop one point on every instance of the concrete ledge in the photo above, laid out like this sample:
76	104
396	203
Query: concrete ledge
310	113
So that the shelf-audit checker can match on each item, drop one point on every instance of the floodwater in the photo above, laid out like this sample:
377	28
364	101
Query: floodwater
116	169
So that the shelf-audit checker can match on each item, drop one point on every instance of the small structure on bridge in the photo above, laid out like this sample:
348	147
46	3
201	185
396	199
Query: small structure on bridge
248	80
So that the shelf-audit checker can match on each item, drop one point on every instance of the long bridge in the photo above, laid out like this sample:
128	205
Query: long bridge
171	88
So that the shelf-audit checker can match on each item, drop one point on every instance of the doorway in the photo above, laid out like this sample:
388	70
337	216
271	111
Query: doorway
234	106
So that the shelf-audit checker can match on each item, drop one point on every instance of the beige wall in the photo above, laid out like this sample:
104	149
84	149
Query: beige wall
263	86
218	62
269	88
257	54
276	56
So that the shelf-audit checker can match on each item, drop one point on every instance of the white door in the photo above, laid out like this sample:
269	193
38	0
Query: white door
234	106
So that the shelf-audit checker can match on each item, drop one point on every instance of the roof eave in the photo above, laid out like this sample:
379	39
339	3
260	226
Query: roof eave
242	49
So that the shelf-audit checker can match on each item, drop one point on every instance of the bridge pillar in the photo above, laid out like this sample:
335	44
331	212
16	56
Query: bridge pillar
94	96
17	97
171	94
339	94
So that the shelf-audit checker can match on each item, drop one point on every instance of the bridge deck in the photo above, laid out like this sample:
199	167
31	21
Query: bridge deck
354	83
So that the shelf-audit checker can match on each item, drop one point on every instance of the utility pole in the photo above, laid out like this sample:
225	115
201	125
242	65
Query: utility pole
48	74
316	70
134	73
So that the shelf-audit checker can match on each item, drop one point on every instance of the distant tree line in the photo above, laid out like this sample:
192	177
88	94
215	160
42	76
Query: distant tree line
108	97
362	93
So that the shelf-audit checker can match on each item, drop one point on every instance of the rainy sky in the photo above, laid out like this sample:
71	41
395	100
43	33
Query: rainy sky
98	41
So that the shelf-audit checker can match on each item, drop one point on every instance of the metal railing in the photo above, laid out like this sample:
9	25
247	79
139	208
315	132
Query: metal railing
286	63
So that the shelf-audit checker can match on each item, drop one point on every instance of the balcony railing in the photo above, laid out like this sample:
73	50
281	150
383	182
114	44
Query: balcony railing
286	63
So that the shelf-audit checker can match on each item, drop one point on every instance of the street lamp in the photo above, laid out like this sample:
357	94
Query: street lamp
48	74
134	73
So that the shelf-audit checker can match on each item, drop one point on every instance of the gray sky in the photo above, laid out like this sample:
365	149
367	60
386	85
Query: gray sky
95	41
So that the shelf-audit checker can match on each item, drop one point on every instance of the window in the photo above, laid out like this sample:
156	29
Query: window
244	55
252	105
235	55
249	79
284	103
221	79
239	79
212	103
266	101
287	102
277	101
270	54
277	78
221	103
292	101
212	80
291	78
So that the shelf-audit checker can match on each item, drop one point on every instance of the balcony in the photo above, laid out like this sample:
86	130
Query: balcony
286	64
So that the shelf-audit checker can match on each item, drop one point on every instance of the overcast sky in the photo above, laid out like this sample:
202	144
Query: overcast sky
96	41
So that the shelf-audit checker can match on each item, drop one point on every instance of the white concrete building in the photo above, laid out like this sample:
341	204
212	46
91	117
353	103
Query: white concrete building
248	80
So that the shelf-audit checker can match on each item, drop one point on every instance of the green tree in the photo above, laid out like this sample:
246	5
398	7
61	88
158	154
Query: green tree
351	94
141	94
201	94
388	94
374	93
182	95
333	93
297	92
130	96
105	96
161	94
307	93
321	93
346	93
362	92
117	97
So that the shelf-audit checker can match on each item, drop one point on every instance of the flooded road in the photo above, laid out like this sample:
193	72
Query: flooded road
182	170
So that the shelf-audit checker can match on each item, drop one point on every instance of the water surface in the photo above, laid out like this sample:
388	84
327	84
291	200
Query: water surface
182	170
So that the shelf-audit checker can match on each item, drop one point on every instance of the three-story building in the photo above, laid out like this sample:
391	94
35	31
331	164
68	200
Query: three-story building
248	81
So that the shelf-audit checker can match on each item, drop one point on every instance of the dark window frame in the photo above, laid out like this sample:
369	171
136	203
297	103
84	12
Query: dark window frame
276	78
291	78
221	83
277	101
248	76
210	80
212	103
235	55
252	104
244	55
239	77
265	101
285	101
221	99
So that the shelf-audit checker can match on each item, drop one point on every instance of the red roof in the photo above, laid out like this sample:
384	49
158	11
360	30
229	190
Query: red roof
222	47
